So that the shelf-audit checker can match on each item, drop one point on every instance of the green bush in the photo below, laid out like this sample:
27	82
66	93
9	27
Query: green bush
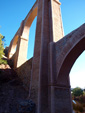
76	92
2	61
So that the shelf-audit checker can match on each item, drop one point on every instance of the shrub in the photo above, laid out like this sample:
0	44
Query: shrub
82	99
2	61
77	92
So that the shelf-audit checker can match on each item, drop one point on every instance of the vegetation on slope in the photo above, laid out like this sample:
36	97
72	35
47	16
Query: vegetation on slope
2	61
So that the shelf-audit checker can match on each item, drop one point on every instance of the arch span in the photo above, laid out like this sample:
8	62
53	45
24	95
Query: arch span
66	45
70	58
28	20
20	40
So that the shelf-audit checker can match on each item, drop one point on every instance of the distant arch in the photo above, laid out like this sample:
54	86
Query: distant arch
12	47
28	21
23	31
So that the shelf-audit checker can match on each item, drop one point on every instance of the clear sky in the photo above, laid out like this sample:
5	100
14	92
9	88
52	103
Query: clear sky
12	12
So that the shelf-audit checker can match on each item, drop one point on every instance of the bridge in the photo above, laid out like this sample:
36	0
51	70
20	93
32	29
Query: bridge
46	75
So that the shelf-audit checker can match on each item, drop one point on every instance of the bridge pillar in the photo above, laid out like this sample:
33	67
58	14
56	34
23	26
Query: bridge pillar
49	29
21	52
39	84
56	26
46	31
61	99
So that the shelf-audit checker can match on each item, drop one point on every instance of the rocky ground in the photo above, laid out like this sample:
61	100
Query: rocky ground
13	96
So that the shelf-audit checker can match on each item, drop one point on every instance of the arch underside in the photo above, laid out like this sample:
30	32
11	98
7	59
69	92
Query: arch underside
68	55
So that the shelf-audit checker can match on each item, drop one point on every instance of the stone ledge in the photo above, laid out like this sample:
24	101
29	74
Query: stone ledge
23	38
59	86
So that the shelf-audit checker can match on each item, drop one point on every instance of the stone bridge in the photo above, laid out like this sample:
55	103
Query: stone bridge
46	75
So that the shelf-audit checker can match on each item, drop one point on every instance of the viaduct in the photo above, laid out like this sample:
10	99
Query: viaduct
46	75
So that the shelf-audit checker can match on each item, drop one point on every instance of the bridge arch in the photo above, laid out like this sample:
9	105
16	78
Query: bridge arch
71	55
20	40
23	38
29	20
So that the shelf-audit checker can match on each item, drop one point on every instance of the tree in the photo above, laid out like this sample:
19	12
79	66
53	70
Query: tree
77	91
1	50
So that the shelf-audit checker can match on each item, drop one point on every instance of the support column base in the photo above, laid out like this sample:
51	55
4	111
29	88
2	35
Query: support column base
61	101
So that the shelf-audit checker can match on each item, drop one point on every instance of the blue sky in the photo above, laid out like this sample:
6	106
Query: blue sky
12	12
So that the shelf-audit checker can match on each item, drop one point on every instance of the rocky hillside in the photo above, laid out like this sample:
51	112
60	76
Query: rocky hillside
13	96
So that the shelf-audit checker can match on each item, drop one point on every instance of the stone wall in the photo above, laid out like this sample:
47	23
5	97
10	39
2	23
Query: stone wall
24	72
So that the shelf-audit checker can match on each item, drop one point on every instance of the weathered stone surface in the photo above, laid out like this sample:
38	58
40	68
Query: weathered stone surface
24	72
61	99
26	106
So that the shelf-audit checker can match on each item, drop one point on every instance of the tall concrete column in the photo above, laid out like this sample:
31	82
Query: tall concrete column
10	52
39	86
21	52
12	47
60	100
22	46
56	21
44	35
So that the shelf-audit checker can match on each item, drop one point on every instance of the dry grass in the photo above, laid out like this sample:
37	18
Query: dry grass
78	107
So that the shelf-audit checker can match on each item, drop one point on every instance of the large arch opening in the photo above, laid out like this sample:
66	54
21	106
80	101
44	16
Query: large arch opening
77	81
77	72
29	30
74	53
31	40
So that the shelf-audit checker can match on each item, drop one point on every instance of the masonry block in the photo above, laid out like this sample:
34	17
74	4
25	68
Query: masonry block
61	101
